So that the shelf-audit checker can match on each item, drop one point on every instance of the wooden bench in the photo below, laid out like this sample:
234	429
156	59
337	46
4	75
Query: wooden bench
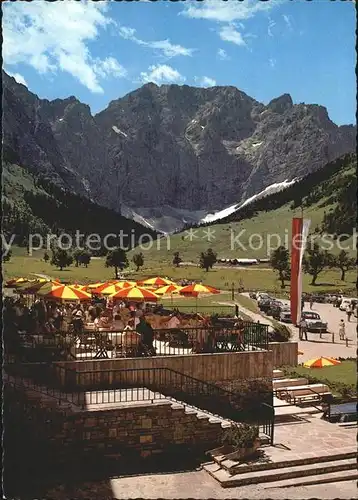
302	390
310	397
288	382
277	374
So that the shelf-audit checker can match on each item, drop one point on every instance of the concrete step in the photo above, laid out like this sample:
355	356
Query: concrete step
288	382
234	467
330	477
274	475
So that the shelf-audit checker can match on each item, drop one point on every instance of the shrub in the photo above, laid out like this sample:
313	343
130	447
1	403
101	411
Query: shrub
240	435
280	333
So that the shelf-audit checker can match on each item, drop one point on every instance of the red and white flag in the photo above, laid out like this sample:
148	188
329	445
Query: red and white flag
300	230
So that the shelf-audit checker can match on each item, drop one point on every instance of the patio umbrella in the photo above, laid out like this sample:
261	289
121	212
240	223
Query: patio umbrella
31	288
110	288
195	289
64	292
135	294
168	290
78	287
16	281
156	282
96	285
321	362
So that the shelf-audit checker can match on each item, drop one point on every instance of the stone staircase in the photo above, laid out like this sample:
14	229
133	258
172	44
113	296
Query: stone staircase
323	468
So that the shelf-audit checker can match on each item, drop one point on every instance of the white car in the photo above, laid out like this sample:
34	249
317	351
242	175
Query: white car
314	322
346	302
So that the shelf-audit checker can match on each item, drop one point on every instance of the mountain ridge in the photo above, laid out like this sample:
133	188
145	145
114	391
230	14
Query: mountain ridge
185	147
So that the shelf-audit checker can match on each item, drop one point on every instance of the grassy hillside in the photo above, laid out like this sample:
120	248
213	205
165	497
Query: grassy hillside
33	205
322	196
22	264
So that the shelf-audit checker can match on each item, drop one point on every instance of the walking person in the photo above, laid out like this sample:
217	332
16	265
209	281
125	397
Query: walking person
342	330
349	311
303	329
311	303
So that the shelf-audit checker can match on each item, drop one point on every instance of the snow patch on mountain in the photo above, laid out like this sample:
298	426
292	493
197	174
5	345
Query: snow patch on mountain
118	131
273	188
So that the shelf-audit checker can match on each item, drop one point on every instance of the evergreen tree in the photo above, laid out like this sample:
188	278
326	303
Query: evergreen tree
117	258
207	259
138	260
280	262
61	258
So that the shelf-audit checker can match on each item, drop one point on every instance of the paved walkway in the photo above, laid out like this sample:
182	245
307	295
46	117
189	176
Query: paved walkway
293	441
316	346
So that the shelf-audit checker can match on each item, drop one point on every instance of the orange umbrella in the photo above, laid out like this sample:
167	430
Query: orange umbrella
196	289
35	287
168	290
78	287
155	282
135	294
96	285
17	281
321	362
64	292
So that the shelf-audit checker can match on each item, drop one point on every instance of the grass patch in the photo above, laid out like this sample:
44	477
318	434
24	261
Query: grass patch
342	379
22	264
249	304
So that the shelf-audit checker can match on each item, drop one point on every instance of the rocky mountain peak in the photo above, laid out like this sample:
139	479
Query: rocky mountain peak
281	104
187	147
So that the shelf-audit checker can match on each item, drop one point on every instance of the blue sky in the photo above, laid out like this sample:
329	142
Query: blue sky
99	51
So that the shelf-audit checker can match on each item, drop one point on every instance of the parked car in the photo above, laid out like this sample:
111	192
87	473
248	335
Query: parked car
264	304
347	302
285	316
262	295
252	295
314	322
274	308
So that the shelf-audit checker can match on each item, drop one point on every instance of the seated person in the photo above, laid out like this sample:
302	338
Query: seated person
117	324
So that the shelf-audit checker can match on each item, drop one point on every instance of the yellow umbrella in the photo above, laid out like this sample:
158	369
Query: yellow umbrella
78	287
64	292
196	289
168	290
35	287
135	294
96	285
321	362
16	282
156	282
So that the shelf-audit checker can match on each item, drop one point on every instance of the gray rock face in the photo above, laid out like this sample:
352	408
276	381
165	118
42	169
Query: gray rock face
189	148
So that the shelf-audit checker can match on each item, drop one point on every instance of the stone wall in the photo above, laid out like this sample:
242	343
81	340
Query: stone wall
284	353
206	367
133	430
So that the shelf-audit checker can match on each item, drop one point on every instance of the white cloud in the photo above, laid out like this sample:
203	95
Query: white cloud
222	54
54	36
271	25
109	66
205	81
287	20
162	73
272	62
19	78
230	34
229	11
167	48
